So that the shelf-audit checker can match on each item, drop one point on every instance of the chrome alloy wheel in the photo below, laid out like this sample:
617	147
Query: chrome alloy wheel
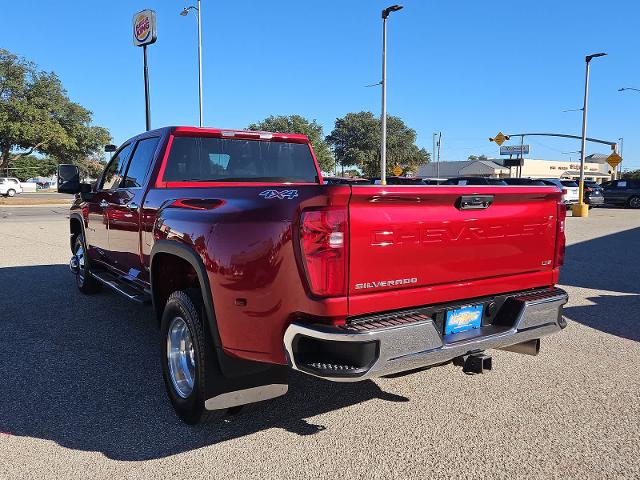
77	264
634	202
181	357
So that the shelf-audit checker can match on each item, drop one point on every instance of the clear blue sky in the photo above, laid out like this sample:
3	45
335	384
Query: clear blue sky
467	68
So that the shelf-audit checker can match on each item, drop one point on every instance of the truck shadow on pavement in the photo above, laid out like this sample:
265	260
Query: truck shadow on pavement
610	263
84	372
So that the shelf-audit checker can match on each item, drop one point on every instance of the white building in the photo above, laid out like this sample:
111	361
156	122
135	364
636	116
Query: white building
596	169
466	168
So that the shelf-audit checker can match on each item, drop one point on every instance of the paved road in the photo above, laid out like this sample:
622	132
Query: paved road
47	195
35	215
81	391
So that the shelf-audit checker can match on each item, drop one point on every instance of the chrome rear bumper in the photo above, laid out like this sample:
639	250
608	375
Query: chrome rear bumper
418	343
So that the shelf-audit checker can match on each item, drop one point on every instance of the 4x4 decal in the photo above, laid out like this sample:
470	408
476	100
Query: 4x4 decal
279	194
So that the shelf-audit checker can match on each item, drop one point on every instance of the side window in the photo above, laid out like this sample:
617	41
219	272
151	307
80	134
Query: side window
622	184
113	173
140	162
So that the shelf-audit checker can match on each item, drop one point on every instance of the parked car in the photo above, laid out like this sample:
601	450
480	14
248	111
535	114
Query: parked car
593	193
524	181
622	192
10	186
398	181
433	181
473	181
570	189
254	266
344	180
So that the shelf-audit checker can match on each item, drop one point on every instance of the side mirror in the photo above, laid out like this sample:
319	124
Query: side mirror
110	148
68	178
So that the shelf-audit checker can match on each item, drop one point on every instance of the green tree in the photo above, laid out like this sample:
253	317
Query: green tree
478	157
631	174
299	124
29	166
356	142
36	115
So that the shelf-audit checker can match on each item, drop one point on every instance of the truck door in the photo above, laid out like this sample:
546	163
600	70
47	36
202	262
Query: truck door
97	218
124	212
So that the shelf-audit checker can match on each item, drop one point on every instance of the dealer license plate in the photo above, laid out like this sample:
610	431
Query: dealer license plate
463	319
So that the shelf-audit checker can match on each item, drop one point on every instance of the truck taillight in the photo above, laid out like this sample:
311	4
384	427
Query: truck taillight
560	235
564	191
323	241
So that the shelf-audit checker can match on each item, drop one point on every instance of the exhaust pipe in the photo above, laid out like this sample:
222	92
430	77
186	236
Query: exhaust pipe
532	347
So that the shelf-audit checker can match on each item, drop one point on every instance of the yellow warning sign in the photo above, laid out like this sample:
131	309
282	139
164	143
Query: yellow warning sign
499	138
397	170
614	160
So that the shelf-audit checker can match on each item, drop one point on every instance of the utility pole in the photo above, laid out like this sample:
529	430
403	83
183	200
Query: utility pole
438	162
433	152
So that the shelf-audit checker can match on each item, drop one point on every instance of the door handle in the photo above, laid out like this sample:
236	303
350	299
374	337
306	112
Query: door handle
133	206
104	203
474	202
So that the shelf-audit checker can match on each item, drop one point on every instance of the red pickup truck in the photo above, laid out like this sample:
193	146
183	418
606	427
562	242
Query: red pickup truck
254	266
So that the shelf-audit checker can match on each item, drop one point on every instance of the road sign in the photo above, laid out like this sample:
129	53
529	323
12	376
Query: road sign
397	171
514	150
614	160
499	138
145	33
513	162
144	28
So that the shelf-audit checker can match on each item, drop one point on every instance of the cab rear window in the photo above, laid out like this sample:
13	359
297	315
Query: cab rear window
207	159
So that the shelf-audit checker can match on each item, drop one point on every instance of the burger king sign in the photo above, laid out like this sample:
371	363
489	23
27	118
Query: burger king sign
144	28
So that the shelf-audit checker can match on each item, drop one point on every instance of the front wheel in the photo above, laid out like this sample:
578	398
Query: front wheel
634	202
11	192
80	265
188	357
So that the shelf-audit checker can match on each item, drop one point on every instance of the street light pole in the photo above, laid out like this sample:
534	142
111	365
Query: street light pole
383	116
200	62
582	210
184	13
619	174
433	158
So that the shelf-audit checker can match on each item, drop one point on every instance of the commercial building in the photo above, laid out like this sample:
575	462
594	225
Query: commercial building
596	169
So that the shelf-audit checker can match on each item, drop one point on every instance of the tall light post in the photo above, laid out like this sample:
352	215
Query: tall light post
184	13
383	119
621	142
581	209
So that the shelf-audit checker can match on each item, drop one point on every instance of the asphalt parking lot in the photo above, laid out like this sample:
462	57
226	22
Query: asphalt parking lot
81	392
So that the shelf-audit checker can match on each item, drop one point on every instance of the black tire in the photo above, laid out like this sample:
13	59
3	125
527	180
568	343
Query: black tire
187	305
84	281
634	202
11	192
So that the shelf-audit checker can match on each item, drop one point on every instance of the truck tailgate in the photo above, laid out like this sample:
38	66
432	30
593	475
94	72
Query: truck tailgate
426	244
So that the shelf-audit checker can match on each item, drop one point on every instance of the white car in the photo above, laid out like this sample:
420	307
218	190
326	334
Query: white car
570	189
9	186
